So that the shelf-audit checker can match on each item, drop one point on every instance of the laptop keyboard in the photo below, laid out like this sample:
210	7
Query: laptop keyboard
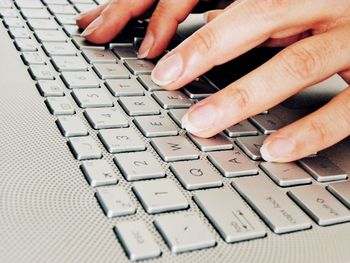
130	115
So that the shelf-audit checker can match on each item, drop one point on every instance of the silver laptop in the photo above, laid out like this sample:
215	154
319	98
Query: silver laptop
95	166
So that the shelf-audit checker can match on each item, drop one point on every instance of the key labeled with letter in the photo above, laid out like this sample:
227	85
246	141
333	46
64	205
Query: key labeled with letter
104	118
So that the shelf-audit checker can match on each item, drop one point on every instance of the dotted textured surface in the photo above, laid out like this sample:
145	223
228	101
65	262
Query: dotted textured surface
50	214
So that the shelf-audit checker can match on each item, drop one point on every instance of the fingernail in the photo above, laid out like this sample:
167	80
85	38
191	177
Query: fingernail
167	70
277	150
146	45
93	26
80	16
200	119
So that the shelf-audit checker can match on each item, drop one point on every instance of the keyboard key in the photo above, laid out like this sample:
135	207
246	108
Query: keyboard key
12	22
268	123
139	166
59	49
184	232
5	4
71	126
199	89
82	44
37	24
175	148
229	215
286	174
160	195
155	126
29	4
72	30
176	115
62	10
60	106
115	201
215	143
66	19
244	128
98	173
138	106
251	146
85	148
16	33
104	118
122	140
82	8
172	99
233	163
8	13
147	82
39	72
319	204
341	190
33	58
69	64
92	98
35	13
111	71
322	169
80	80
26	45
125	52
195	175
50	88
137	240
124	87
137	66
99	56
272	204
50	36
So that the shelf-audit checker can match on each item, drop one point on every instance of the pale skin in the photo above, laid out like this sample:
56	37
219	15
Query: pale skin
317	36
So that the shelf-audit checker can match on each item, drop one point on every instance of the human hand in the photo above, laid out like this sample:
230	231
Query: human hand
321	32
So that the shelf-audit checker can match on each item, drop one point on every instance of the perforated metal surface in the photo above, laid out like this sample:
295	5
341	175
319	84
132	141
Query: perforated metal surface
49	212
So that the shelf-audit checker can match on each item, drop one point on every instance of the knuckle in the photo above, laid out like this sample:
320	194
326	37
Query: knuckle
204	42
242	97
302	62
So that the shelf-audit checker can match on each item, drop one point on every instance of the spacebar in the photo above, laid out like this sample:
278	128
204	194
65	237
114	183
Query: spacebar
229	215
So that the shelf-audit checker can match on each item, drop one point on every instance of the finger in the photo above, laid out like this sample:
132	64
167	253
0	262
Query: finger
233	33
283	42
84	19
315	132
163	25
211	15
346	75
300	65
113	18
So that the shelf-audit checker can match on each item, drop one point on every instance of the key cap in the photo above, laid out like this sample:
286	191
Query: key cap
98	173
137	66
82	44
272	204
69	64
60	106
147	82
5	4
115	201
122	140
341	190
92	98
233	163
66	19
33	58
26	45
176	115
50	88
155	126
124	87
286	174
72	30
196	174
229	215
322	169
19	33
111	71
35	13
80	80
172	99
251	146
320	205
184	232
160	195
25	4
39	72
244	128
8	13
59	49
82	8
37	24
199	89
175	148
139	166
125	52
215	143
62	10
12	22
267	123
56	2
99	56
138	106
137	240
50	36
104	118
71	126
85	148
